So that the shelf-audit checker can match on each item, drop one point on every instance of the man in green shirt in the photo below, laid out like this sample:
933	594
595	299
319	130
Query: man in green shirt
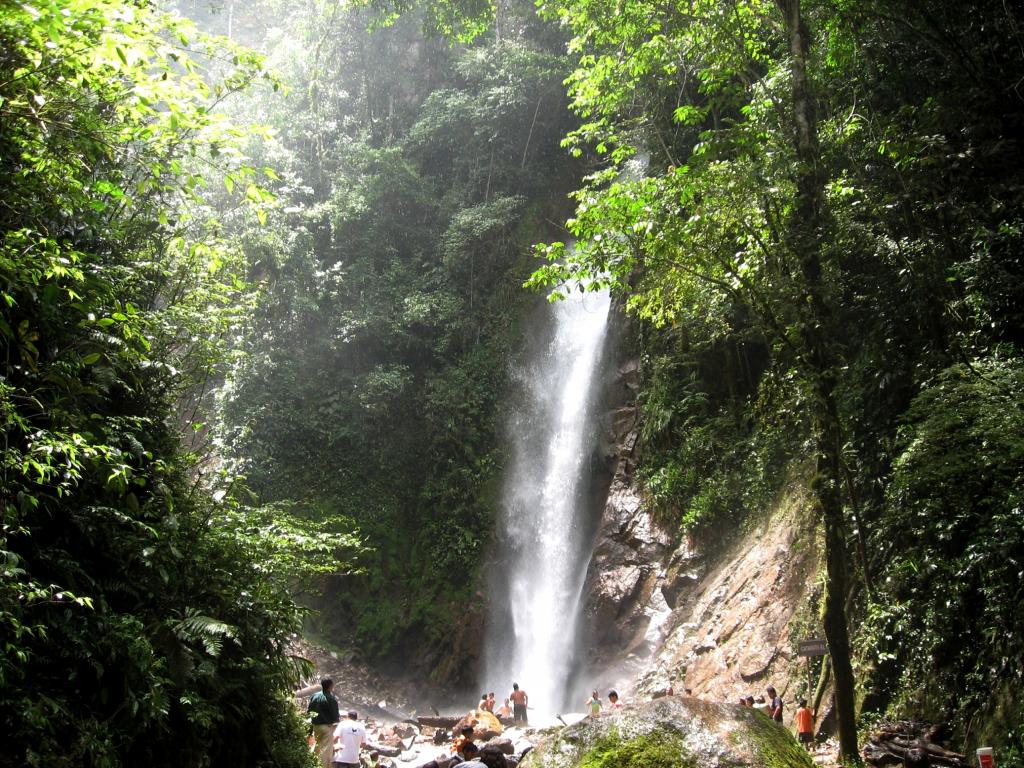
326	715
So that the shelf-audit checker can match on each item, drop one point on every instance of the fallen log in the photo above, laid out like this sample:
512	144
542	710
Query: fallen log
891	754
449	723
911	744
384	749
932	749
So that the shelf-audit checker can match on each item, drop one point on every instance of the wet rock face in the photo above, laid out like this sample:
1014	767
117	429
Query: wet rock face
674	731
628	592
625	568
661	613
682	575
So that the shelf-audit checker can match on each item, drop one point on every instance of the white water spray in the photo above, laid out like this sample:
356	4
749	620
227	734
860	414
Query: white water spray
532	632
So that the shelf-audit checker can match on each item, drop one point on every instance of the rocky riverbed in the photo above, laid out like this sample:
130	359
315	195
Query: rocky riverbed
397	725
391	712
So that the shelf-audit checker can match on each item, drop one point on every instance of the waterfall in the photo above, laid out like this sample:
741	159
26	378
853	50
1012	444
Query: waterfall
544	526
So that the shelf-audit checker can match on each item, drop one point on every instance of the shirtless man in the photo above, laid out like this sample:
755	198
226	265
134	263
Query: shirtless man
519	700
505	710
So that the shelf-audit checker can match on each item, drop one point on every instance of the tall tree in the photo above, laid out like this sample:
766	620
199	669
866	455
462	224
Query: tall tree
807	231
728	210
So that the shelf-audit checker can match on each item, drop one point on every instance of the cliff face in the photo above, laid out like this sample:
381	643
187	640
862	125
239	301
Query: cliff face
720	616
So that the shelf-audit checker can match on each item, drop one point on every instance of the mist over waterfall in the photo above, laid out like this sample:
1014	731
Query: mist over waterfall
544	531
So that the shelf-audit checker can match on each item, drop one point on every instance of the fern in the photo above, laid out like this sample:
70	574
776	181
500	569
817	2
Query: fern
197	629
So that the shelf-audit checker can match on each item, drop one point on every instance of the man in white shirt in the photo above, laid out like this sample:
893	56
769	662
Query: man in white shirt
349	736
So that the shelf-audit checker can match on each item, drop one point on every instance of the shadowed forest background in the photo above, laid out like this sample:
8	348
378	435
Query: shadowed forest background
262	294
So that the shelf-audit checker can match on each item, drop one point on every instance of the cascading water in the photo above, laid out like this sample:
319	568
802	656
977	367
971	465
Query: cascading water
543	531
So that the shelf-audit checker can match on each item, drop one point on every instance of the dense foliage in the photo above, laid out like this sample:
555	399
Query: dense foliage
144	618
814	212
748	248
369	379
866	279
952	534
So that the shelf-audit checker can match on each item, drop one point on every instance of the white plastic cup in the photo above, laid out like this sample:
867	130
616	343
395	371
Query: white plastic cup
985	758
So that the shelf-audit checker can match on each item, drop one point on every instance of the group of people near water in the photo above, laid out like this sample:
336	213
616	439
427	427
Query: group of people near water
772	706
595	706
338	741
464	750
514	706
466	754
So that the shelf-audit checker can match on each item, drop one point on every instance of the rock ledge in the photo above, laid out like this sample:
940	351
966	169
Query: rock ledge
681	730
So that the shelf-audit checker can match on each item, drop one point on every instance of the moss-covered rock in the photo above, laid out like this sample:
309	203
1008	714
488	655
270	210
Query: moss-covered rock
683	732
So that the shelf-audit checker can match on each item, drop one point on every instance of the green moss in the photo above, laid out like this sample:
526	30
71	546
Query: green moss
775	745
654	749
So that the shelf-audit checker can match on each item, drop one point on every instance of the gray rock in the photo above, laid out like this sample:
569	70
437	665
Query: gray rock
674	730
505	745
384	749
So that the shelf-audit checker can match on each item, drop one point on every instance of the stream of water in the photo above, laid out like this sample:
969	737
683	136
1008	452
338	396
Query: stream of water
544	530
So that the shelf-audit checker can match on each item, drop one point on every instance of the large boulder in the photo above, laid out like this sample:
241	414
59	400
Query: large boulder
484	724
672	732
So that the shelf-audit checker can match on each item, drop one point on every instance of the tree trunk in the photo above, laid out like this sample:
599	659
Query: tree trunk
806	235
862	539
500	10
834	619
822	686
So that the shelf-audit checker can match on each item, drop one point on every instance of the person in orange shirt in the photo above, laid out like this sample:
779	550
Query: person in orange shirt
805	724
465	737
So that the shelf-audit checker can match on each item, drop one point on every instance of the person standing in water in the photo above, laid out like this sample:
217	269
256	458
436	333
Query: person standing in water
594	704
519	701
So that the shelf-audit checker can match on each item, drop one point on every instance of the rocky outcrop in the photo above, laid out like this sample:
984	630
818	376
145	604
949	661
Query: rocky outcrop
660	613
734	629
625	570
678	731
